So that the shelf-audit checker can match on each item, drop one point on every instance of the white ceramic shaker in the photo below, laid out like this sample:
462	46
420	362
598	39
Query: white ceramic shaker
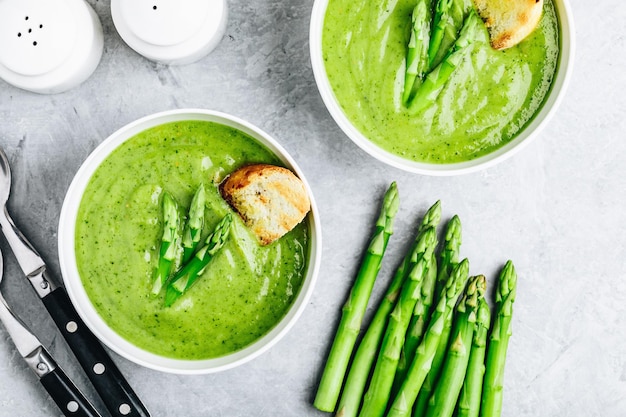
171	31
48	46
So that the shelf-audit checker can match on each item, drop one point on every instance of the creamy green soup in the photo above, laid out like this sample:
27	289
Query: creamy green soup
488	100
246	288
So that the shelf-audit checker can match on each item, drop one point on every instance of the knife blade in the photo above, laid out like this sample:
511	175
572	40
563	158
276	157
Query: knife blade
113	388
65	394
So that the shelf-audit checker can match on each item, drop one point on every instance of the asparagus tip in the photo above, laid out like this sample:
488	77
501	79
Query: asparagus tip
171	295
506	291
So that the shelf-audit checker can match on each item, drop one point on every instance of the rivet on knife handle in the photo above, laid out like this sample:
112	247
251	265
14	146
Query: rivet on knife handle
106	378
104	375
63	391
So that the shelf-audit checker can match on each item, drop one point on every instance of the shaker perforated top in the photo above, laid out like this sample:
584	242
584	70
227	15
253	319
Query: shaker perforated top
48	46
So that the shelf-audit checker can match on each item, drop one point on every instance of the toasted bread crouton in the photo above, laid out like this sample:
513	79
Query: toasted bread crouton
509	21
270	199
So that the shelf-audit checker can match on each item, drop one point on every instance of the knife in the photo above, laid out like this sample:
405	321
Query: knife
62	390
116	393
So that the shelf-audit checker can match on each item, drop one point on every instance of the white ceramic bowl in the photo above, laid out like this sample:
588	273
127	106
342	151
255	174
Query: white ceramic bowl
82	302
559	85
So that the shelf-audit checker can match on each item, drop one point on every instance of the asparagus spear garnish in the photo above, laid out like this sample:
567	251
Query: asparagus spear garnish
438	77
417	52
355	306
377	395
170	241
368	348
402	404
195	222
439	24
184	278
446	393
469	400
447	28
491	404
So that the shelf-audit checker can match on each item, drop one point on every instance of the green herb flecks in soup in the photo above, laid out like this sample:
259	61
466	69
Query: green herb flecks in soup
489	98
246	289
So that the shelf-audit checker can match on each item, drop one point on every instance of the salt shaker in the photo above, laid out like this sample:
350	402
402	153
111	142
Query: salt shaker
48	46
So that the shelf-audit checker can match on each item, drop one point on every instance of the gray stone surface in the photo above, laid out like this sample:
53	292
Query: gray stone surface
556	209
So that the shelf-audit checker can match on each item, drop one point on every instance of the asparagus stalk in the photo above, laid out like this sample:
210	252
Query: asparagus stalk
402	404
185	278
469	400
438	77
418	323
417	51
354	308
491	404
431	219
193	228
421	402
446	393
449	258
376	397
365	355
170	241
422	307
350	400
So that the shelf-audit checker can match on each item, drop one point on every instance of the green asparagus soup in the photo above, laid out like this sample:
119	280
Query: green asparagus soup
246	288
489	98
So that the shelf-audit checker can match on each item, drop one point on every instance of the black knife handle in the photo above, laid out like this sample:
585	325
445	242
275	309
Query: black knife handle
116	393
67	397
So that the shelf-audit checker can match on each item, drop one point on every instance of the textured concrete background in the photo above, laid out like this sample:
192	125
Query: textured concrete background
556	209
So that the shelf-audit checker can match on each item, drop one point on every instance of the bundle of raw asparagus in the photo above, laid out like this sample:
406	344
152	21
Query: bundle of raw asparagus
430	349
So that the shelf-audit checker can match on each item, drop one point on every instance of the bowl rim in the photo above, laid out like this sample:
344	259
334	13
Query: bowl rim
545	113
78	295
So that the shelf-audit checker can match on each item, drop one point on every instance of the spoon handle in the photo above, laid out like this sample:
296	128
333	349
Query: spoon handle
116	393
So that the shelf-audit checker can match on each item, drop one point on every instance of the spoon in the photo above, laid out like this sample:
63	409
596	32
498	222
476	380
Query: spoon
116	393
62	390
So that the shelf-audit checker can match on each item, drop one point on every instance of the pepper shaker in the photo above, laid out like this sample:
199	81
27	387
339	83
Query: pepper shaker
171	31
